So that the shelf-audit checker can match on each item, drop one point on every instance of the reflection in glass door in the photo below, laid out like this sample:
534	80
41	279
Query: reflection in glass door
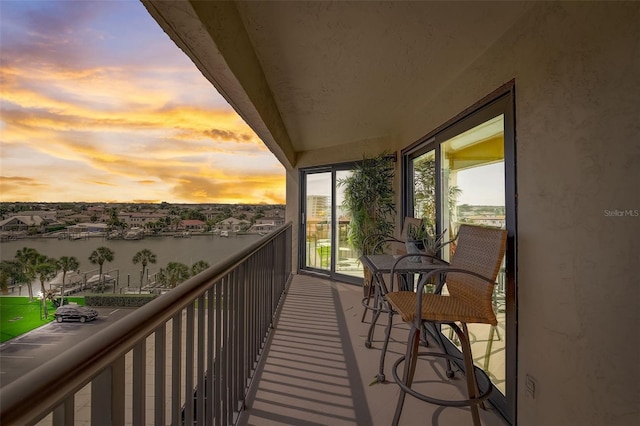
347	262
473	176
318	202
465	173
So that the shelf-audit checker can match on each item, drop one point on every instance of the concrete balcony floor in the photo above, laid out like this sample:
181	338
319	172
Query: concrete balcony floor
317	370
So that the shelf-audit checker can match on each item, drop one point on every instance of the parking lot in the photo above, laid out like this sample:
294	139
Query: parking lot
24	353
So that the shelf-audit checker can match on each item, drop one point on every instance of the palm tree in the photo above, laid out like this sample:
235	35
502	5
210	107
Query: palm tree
174	274
45	269
66	263
27	258
198	267
145	257
9	272
101	255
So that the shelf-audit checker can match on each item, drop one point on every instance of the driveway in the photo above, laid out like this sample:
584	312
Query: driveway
24	353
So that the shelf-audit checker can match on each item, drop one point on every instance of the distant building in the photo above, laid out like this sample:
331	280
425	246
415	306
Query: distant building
262	227
192	225
44	214
233	224
139	219
21	223
318	208
77	218
85	230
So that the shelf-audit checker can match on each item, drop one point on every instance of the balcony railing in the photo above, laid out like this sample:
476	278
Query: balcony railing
203	338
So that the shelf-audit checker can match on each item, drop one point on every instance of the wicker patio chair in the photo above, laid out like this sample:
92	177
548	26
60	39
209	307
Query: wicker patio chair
469	279
394	245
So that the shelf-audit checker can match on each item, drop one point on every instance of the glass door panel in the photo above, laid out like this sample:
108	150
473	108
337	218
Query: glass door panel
347	261
473	177
318	202
424	188
326	246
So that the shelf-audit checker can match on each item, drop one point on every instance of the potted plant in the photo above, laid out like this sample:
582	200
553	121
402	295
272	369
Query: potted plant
369	202
434	242
424	239
415	238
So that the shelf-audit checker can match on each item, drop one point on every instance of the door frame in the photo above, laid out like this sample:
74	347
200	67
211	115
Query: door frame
302	235
501	101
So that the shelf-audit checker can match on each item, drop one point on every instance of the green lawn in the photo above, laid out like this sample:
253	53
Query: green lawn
18	315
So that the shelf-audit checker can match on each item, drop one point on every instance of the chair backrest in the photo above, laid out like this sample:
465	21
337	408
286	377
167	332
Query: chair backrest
481	250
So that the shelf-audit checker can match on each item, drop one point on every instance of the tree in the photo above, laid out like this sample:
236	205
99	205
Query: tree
174	274
27	259
45	269
101	255
198	267
9	273
425	190
145	257
66	264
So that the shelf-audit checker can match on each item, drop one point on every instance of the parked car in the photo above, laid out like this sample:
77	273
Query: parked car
75	313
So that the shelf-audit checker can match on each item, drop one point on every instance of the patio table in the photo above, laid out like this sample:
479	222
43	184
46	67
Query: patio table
406	269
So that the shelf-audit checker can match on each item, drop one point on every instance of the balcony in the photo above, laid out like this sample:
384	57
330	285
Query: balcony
318	372
301	359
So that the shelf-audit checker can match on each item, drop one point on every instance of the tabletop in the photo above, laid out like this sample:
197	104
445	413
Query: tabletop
382	263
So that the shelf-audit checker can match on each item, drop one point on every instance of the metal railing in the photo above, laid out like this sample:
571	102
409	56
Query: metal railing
204	338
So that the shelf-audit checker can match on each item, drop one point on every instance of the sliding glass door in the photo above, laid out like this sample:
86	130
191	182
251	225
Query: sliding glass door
317	220
324	245
466	174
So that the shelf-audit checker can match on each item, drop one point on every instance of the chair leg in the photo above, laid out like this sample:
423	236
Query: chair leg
472	386
368	298
372	327
387	336
410	362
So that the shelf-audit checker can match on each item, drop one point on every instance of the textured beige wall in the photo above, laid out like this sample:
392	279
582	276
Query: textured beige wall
577	72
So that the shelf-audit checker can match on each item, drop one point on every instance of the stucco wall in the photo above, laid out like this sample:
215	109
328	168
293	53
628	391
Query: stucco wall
577	68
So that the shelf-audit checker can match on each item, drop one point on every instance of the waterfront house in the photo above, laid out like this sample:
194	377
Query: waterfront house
48	215
87	230
139	219
21	224
192	225
232	224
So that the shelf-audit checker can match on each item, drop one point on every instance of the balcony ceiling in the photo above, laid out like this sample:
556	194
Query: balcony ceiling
312	75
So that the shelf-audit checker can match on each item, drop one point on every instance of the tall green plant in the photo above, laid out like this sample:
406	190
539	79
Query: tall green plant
369	200
425	190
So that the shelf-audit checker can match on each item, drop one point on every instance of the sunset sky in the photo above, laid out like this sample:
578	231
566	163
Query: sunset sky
99	105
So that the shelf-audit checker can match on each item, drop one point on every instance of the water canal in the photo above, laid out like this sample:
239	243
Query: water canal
210	248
